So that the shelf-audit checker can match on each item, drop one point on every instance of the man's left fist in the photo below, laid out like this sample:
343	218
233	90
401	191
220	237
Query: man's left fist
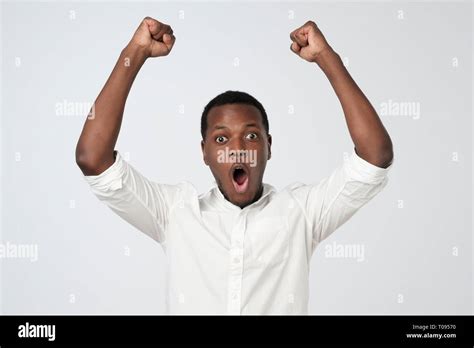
308	41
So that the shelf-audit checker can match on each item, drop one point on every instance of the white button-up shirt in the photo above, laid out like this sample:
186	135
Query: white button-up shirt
226	260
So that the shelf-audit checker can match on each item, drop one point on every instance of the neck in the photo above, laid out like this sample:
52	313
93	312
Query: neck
242	206
257	196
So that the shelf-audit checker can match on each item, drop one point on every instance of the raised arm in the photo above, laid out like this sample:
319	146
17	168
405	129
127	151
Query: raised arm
95	148
371	140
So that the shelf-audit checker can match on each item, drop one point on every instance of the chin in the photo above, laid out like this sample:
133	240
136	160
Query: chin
242	201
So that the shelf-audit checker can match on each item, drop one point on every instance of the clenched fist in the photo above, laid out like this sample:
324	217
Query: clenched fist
308	41
154	37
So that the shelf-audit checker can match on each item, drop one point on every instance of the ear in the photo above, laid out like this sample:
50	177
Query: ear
269	140
204	157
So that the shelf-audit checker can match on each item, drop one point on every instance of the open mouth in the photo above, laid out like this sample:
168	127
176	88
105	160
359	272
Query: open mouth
240	177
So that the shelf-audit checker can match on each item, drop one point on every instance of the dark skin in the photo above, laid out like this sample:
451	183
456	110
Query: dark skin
95	148
238	127
371	139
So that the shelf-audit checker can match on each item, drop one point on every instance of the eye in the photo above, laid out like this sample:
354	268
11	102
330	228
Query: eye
252	136
221	139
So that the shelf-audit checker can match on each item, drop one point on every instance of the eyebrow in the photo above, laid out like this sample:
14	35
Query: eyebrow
219	126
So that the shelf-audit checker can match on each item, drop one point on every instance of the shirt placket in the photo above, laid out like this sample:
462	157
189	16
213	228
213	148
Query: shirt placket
236	255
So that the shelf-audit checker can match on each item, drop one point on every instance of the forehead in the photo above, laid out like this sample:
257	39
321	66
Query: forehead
233	115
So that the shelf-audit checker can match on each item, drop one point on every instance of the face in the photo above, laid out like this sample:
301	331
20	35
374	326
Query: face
236	149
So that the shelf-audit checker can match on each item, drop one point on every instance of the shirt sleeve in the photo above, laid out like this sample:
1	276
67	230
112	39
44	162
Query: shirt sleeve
139	201
330	203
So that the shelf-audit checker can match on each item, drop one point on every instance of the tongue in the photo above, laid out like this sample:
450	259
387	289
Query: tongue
240	177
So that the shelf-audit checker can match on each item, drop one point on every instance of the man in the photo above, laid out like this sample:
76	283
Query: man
241	248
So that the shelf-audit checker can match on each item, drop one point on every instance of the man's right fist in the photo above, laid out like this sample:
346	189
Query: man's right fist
155	38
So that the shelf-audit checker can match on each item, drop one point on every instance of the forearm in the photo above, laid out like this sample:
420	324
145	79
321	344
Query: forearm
370	137
94	151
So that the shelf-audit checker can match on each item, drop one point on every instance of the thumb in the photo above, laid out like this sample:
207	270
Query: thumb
168	40
295	47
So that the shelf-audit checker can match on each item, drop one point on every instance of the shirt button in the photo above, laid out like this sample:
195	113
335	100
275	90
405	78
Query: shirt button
236	260
234	296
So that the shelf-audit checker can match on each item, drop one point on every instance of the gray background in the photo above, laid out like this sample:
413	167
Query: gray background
90	261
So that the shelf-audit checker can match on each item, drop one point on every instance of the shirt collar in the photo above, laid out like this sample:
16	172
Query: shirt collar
223	202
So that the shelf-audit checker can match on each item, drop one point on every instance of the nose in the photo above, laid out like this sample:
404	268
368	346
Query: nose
236	146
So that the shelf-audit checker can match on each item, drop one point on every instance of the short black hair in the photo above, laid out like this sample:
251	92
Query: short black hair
232	97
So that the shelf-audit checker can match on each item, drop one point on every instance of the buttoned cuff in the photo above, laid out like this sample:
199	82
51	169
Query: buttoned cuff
359	169
109	179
